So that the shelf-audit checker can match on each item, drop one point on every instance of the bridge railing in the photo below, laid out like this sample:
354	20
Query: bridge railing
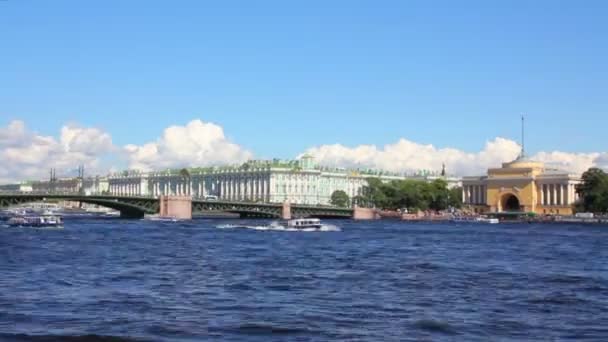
70	193
200	199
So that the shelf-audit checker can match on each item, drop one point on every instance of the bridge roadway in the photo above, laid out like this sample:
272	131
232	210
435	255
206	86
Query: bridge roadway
137	206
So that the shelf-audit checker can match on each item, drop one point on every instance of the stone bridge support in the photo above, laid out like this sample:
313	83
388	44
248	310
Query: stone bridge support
179	207
286	211
365	214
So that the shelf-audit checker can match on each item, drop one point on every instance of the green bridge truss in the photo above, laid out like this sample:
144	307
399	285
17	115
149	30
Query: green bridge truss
136	207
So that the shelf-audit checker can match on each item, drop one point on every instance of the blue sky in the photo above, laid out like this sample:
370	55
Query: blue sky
283	76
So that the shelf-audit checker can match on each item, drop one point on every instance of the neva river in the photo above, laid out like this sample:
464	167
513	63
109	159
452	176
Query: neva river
370	281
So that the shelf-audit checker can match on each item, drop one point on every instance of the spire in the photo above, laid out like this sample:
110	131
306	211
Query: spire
523	149
443	169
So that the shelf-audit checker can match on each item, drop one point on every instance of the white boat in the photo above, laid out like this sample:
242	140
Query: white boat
46	220
158	218
304	223
488	220
474	219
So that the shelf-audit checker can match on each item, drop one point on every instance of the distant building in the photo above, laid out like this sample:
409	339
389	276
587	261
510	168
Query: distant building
270	181
89	186
95	185
522	185
17	187
297	181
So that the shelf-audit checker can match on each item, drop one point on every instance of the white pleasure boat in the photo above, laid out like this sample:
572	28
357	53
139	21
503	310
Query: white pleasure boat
45	220
303	223
475	219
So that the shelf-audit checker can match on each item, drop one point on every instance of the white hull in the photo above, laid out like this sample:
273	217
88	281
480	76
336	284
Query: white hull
483	220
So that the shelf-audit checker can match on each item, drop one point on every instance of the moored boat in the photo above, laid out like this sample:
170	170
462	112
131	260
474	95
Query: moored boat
46	220
490	220
475	219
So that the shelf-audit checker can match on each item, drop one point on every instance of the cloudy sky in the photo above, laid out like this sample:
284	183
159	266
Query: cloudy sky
399	85
26	154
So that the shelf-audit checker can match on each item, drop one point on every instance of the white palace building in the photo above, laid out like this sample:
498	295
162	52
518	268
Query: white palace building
297	181
275	181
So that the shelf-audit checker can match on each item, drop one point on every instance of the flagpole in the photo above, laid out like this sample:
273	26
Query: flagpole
523	149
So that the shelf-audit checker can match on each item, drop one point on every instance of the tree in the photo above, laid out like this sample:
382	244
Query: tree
184	173
360	201
593	191
340	199
440	195
371	193
408	193
456	197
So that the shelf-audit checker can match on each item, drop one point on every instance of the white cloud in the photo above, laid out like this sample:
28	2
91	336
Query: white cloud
13	134
27	155
196	144
573	162
409	156
89	141
602	160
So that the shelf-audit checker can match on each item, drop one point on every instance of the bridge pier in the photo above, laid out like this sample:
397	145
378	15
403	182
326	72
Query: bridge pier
179	207
286	211
365	214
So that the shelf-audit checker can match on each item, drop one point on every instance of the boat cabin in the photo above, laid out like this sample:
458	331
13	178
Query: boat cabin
304	223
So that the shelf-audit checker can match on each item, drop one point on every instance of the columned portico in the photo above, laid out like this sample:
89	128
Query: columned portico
541	190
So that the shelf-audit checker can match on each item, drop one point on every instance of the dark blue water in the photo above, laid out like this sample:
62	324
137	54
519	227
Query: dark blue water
371	281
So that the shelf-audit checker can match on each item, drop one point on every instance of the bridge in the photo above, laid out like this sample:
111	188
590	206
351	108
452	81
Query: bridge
137	206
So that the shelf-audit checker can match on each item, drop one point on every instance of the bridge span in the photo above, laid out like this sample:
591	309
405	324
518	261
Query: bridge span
137	206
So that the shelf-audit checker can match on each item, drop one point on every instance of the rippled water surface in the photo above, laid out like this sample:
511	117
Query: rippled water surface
367	281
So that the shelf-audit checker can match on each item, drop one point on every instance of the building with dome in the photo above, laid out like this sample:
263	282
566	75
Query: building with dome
271	181
524	186
300	181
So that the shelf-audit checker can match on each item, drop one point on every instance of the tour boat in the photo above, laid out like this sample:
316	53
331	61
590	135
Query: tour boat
45	220
474	219
303	223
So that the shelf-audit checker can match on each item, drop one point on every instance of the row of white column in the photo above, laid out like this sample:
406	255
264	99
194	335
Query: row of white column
227	189
177	188
244	189
557	194
474	194
126	189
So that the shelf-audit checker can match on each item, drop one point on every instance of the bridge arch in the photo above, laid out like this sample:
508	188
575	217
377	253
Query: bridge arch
128	207
127	210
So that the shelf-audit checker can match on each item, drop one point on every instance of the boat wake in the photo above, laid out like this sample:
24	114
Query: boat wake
275	226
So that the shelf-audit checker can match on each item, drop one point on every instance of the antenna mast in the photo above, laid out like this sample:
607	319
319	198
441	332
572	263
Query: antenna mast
523	149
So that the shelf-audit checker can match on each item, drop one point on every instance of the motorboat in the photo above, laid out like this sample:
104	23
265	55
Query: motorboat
45	220
158	218
303	223
489	220
475	219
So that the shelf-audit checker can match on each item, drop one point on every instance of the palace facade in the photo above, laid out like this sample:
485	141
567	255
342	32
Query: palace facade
297	181
522	185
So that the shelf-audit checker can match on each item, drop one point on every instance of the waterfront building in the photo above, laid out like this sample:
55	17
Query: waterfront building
128	183
95	185
60	185
297	181
522	185
268	181
24	187
89	186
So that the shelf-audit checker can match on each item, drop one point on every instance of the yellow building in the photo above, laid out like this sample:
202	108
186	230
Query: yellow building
522	185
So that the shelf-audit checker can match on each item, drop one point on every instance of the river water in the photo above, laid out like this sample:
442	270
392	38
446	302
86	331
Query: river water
203	280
